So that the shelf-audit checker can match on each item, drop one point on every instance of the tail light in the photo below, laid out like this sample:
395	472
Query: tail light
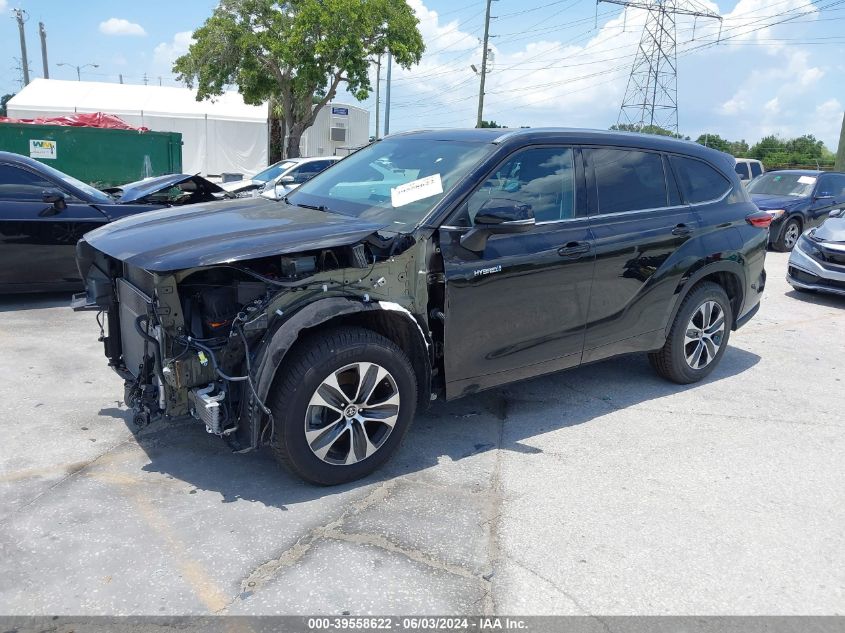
760	219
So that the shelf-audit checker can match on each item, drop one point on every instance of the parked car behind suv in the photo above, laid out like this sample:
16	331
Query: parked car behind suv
427	265
748	169
797	200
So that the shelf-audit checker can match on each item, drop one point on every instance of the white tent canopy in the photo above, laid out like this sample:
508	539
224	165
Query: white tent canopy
221	135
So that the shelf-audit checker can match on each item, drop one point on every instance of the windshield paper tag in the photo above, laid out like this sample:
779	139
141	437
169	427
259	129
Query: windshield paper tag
807	180
416	190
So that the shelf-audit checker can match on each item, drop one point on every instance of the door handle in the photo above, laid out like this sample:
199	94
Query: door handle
682	230
574	249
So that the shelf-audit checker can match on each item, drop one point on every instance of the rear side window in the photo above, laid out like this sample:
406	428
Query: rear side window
628	180
699	182
756	169
21	184
742	170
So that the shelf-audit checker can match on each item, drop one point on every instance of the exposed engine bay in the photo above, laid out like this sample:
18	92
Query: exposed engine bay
202	341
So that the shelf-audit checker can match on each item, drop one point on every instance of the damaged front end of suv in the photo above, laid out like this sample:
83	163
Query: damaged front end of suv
200	326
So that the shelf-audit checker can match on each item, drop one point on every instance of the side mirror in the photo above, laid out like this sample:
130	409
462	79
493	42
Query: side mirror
287	180
497	216
837	213
56	198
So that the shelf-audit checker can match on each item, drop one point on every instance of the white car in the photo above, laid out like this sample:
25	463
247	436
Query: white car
292	171
748	169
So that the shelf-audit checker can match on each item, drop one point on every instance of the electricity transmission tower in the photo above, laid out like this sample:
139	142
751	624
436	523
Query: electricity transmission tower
651	97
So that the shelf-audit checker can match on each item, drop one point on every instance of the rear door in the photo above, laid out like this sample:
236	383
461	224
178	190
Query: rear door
518	308
38	239
639	225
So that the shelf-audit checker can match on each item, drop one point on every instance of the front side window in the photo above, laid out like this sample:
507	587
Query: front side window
542	178
20	184
628	180
699	181
832	185
396	181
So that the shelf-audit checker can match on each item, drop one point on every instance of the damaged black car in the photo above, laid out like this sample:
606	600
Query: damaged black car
427	265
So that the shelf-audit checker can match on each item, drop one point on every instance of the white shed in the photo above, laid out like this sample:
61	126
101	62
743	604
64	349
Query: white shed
222	135
338	128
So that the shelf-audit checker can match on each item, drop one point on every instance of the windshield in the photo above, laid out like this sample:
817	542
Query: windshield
780	184
95	194
273	171
396	181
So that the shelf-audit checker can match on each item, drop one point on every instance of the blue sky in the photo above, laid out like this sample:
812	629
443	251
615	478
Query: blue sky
555	64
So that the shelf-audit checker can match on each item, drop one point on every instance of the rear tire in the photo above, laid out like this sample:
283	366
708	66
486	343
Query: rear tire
342	405
788	236
698	337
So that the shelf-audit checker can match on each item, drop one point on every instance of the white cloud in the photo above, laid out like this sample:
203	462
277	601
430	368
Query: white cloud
772	105
166	52
3	5
120	26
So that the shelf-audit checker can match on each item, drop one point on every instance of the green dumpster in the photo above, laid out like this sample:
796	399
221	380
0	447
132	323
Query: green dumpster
102	157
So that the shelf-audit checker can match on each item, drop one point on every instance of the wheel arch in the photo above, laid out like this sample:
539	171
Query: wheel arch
728	274
386	318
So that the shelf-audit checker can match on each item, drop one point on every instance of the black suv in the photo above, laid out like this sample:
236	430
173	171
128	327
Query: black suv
428	264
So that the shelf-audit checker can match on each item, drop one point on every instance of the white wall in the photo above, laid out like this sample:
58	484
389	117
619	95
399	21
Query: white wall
316	141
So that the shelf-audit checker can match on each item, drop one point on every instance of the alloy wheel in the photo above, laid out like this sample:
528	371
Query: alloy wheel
790	236
705	334
352	413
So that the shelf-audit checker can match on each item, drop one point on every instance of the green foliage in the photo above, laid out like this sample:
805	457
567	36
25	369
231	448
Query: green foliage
490	124
297	52
774	152
646	129
3	101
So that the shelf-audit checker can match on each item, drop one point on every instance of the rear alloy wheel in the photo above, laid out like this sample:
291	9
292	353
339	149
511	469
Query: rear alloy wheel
788	236
698	337
341	405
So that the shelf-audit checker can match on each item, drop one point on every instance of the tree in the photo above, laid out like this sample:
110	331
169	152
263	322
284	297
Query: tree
715	141
3	101
646	129
297	52
490	124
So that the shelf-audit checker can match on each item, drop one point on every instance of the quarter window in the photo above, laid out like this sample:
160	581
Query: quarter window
699	181
628	180
543	178
20	184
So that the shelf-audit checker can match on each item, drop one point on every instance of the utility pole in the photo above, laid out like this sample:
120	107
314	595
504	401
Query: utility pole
43	33
20	16
120	76
146	80
378	97
483	64
387	94
840	154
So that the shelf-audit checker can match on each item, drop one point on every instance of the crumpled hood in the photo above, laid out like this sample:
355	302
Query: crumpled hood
765	202
141	189
223	232
831	230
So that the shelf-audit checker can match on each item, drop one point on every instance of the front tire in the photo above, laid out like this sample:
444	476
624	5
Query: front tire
698	337
342	405
788	236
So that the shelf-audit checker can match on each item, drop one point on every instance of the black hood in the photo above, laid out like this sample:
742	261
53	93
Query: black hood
223	232
140	190
765	201
832	230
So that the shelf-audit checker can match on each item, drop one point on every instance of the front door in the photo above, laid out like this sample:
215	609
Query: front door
518	308
37	238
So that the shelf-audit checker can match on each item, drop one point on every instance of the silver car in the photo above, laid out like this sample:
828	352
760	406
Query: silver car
817	263
291	171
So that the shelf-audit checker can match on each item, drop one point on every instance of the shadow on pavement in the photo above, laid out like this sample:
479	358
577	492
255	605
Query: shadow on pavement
19	302
454	430
818	298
